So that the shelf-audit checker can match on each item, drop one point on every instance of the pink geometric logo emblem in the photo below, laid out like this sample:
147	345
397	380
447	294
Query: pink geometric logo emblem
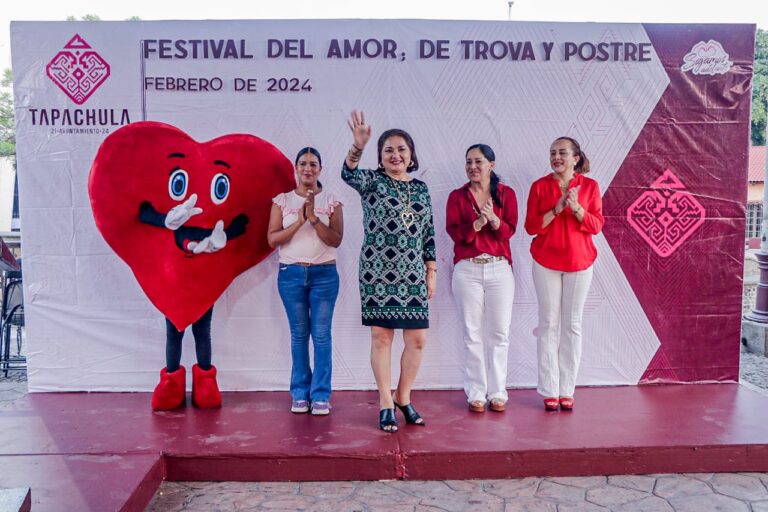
666	216
78	70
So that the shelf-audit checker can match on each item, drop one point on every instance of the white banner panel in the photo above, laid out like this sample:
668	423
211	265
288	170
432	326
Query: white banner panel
514	86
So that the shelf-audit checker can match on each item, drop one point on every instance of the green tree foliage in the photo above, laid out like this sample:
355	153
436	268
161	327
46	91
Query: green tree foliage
96	17
87	17
760	89
7	124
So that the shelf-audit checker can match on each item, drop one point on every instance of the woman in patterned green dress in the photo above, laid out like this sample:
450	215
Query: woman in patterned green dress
398	272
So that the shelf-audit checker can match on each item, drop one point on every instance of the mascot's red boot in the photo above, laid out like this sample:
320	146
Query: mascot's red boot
205	390
170	391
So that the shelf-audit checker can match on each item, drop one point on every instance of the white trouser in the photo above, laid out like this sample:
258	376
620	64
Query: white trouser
484	293
561	297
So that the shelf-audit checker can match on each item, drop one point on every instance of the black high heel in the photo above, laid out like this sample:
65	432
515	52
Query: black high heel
388	421
411	416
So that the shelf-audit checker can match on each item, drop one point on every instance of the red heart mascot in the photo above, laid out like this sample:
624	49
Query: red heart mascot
187	218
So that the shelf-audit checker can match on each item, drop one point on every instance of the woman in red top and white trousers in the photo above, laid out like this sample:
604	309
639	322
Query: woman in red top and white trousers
564	211
481	217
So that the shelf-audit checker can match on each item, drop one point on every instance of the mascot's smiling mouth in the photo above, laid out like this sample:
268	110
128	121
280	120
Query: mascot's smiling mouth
195	234
185	234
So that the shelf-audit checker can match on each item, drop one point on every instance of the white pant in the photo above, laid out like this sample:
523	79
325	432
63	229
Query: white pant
561	297
484	293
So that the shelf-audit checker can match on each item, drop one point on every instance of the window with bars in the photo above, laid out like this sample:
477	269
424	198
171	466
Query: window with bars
754	220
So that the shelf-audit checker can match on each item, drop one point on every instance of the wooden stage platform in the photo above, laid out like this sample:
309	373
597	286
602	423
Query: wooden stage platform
108	451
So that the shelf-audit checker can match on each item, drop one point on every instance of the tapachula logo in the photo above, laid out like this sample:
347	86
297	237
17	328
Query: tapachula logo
78	70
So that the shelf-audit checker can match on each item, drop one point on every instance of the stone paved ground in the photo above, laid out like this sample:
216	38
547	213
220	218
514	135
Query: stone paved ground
722	492
754	369
12	387
725	492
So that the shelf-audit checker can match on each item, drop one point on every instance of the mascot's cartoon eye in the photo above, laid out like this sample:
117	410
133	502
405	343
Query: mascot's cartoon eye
219	188
177	184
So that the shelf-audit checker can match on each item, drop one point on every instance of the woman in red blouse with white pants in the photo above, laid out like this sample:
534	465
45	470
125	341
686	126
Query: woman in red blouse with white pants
564	211
481	217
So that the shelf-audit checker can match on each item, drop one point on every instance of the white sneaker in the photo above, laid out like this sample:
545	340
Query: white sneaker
299	406
320	408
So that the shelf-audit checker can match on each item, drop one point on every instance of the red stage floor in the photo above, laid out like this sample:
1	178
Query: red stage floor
108	451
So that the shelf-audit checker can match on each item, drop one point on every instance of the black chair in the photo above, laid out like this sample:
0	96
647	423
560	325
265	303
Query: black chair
12	324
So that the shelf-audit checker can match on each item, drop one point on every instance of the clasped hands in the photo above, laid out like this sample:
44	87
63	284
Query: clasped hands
180	214
487	216
307	211
569	199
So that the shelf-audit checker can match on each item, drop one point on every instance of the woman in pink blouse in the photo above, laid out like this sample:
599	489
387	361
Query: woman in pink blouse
307	225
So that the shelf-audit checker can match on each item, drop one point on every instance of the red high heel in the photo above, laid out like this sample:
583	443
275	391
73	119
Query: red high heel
205	390
566	403
169	392
550	403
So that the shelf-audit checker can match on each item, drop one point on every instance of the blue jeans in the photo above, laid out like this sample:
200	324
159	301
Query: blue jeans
309	296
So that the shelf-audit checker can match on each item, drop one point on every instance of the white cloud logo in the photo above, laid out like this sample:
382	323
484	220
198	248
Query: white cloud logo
707	59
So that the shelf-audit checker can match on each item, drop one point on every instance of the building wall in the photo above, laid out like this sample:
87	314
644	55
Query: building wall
7	180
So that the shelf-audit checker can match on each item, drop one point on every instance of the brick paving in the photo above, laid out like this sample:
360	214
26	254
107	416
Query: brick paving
722	492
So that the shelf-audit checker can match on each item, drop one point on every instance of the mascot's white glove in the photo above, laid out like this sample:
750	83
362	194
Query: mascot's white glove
212	243
181	213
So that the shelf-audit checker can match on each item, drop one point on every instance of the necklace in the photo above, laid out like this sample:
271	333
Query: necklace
408	216
306	194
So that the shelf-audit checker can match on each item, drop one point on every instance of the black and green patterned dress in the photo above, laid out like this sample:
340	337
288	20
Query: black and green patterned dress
393	289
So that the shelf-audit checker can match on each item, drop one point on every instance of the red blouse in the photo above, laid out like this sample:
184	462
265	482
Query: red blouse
461	212
565	244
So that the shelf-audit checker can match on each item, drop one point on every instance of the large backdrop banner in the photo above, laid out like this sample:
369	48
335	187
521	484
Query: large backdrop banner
662	111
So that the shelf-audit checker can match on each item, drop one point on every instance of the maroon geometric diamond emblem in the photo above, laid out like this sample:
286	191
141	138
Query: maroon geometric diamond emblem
78	70
667	215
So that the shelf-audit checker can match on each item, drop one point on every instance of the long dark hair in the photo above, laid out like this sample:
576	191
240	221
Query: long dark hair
489	155
397	132
311	151
582	166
